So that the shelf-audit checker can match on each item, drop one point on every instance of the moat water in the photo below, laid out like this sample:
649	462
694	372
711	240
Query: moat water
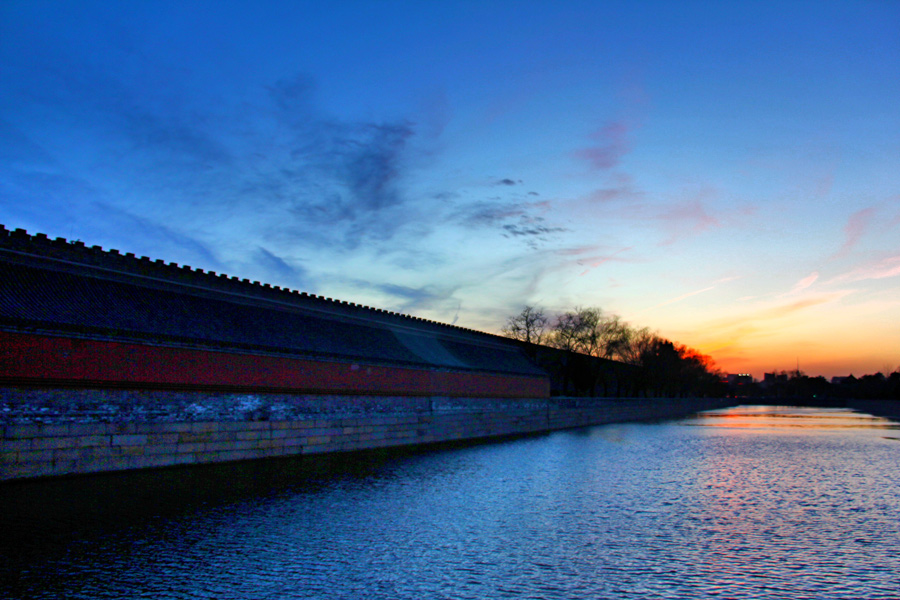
747	502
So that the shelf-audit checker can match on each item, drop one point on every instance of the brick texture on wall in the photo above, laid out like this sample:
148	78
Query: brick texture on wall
52	432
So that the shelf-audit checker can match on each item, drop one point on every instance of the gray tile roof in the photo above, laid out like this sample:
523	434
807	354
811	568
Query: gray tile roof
69	289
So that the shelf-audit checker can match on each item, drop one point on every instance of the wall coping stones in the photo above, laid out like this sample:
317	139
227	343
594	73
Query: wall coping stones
76	251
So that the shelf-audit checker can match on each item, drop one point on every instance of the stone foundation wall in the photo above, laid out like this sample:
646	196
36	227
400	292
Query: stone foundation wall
64	432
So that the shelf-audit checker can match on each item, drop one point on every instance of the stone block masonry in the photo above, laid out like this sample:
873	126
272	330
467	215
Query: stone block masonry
52	432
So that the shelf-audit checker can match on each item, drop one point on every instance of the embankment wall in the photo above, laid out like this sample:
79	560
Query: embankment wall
53	432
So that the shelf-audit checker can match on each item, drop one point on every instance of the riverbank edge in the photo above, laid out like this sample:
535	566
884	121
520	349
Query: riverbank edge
51	433
889	409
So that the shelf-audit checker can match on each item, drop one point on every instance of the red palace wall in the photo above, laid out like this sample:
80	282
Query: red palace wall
57	360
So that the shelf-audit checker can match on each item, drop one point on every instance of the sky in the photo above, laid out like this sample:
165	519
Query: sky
725	173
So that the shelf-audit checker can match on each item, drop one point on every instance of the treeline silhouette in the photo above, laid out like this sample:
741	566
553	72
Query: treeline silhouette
796	384
590	352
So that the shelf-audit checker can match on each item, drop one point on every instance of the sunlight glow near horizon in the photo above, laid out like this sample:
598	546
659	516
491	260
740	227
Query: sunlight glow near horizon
725	173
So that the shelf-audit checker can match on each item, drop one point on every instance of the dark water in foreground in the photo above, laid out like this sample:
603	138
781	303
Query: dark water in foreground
750	502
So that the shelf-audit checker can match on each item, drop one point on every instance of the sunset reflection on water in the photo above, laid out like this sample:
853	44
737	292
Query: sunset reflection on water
762	417
786	487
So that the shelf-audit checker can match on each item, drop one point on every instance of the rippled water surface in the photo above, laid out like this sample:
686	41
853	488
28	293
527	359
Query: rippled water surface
749	502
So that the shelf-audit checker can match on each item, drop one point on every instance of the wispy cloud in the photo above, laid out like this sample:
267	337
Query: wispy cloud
17	147
271	163
685	296
535	231
887	267
676	220
491	214
524	278
695	292
593	261
289	273
621	188
590	254
895	200
686	219
346	175
610	144
786	310
140	231
417	299
855	228
804	283
519	220
728	334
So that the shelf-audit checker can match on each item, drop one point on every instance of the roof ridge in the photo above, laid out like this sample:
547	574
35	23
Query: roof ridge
172	272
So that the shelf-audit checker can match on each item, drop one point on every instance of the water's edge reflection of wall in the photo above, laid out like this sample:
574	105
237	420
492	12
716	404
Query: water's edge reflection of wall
91	431
889	409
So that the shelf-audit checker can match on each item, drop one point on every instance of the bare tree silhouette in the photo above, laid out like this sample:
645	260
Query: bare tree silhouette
528	326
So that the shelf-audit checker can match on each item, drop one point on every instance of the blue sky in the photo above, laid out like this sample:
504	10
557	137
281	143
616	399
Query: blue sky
727	173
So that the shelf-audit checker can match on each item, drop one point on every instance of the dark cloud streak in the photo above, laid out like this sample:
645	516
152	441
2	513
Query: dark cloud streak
523	221
273	263
143	232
